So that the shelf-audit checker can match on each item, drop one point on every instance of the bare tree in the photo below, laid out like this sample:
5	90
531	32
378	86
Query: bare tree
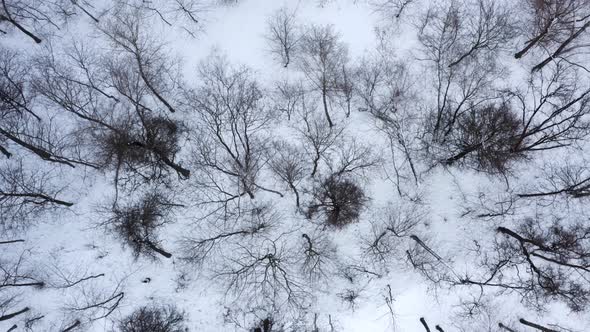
256	264
552	258
23	126
16	274
287	164
319	256
35	18
352	157
552	122
186	14
246	225
134	140
289	97
145	56
154	318
11	315
21	276
145	153
384	88
555	119
62	276
16	96
283	35
322	59
490	29
536	326
556	27
9	11
264	275
269	319
233	117
390	232
318	139
568	180
392	8
346	89
93	302
388	297
138	223
26	194
461	49
422	258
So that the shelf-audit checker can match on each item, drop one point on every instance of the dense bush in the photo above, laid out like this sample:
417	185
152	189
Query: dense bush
486	137
267	325
339	200
154	319
145	151
138	223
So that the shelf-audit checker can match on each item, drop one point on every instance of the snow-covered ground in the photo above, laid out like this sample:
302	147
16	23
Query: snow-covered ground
390	295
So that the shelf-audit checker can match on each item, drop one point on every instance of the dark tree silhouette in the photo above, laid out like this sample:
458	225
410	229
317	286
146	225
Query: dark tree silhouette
154	319
339	200
138	223
283	36
556	27
321	59
549	258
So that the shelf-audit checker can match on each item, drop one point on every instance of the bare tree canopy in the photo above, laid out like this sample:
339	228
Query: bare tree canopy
289	166
283	35
322	59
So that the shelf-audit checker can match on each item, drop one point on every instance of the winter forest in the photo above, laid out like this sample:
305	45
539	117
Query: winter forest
295	165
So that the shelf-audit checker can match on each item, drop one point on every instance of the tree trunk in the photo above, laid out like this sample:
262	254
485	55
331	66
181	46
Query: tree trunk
43	154
423	321
502	326
150	86
17	25
27	284
533	42
39	196
12	315
315	165
71	327
185	173
326	111
561	47
296	194
536	326
287	58
158	250
5	152
462	154
11	241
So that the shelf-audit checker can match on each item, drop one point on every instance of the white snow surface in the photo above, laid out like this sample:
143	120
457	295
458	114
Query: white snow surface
71	240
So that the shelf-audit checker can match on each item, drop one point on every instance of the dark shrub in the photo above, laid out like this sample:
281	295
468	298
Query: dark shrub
339	199
137	224
145	152
154	319
267	325
486	137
